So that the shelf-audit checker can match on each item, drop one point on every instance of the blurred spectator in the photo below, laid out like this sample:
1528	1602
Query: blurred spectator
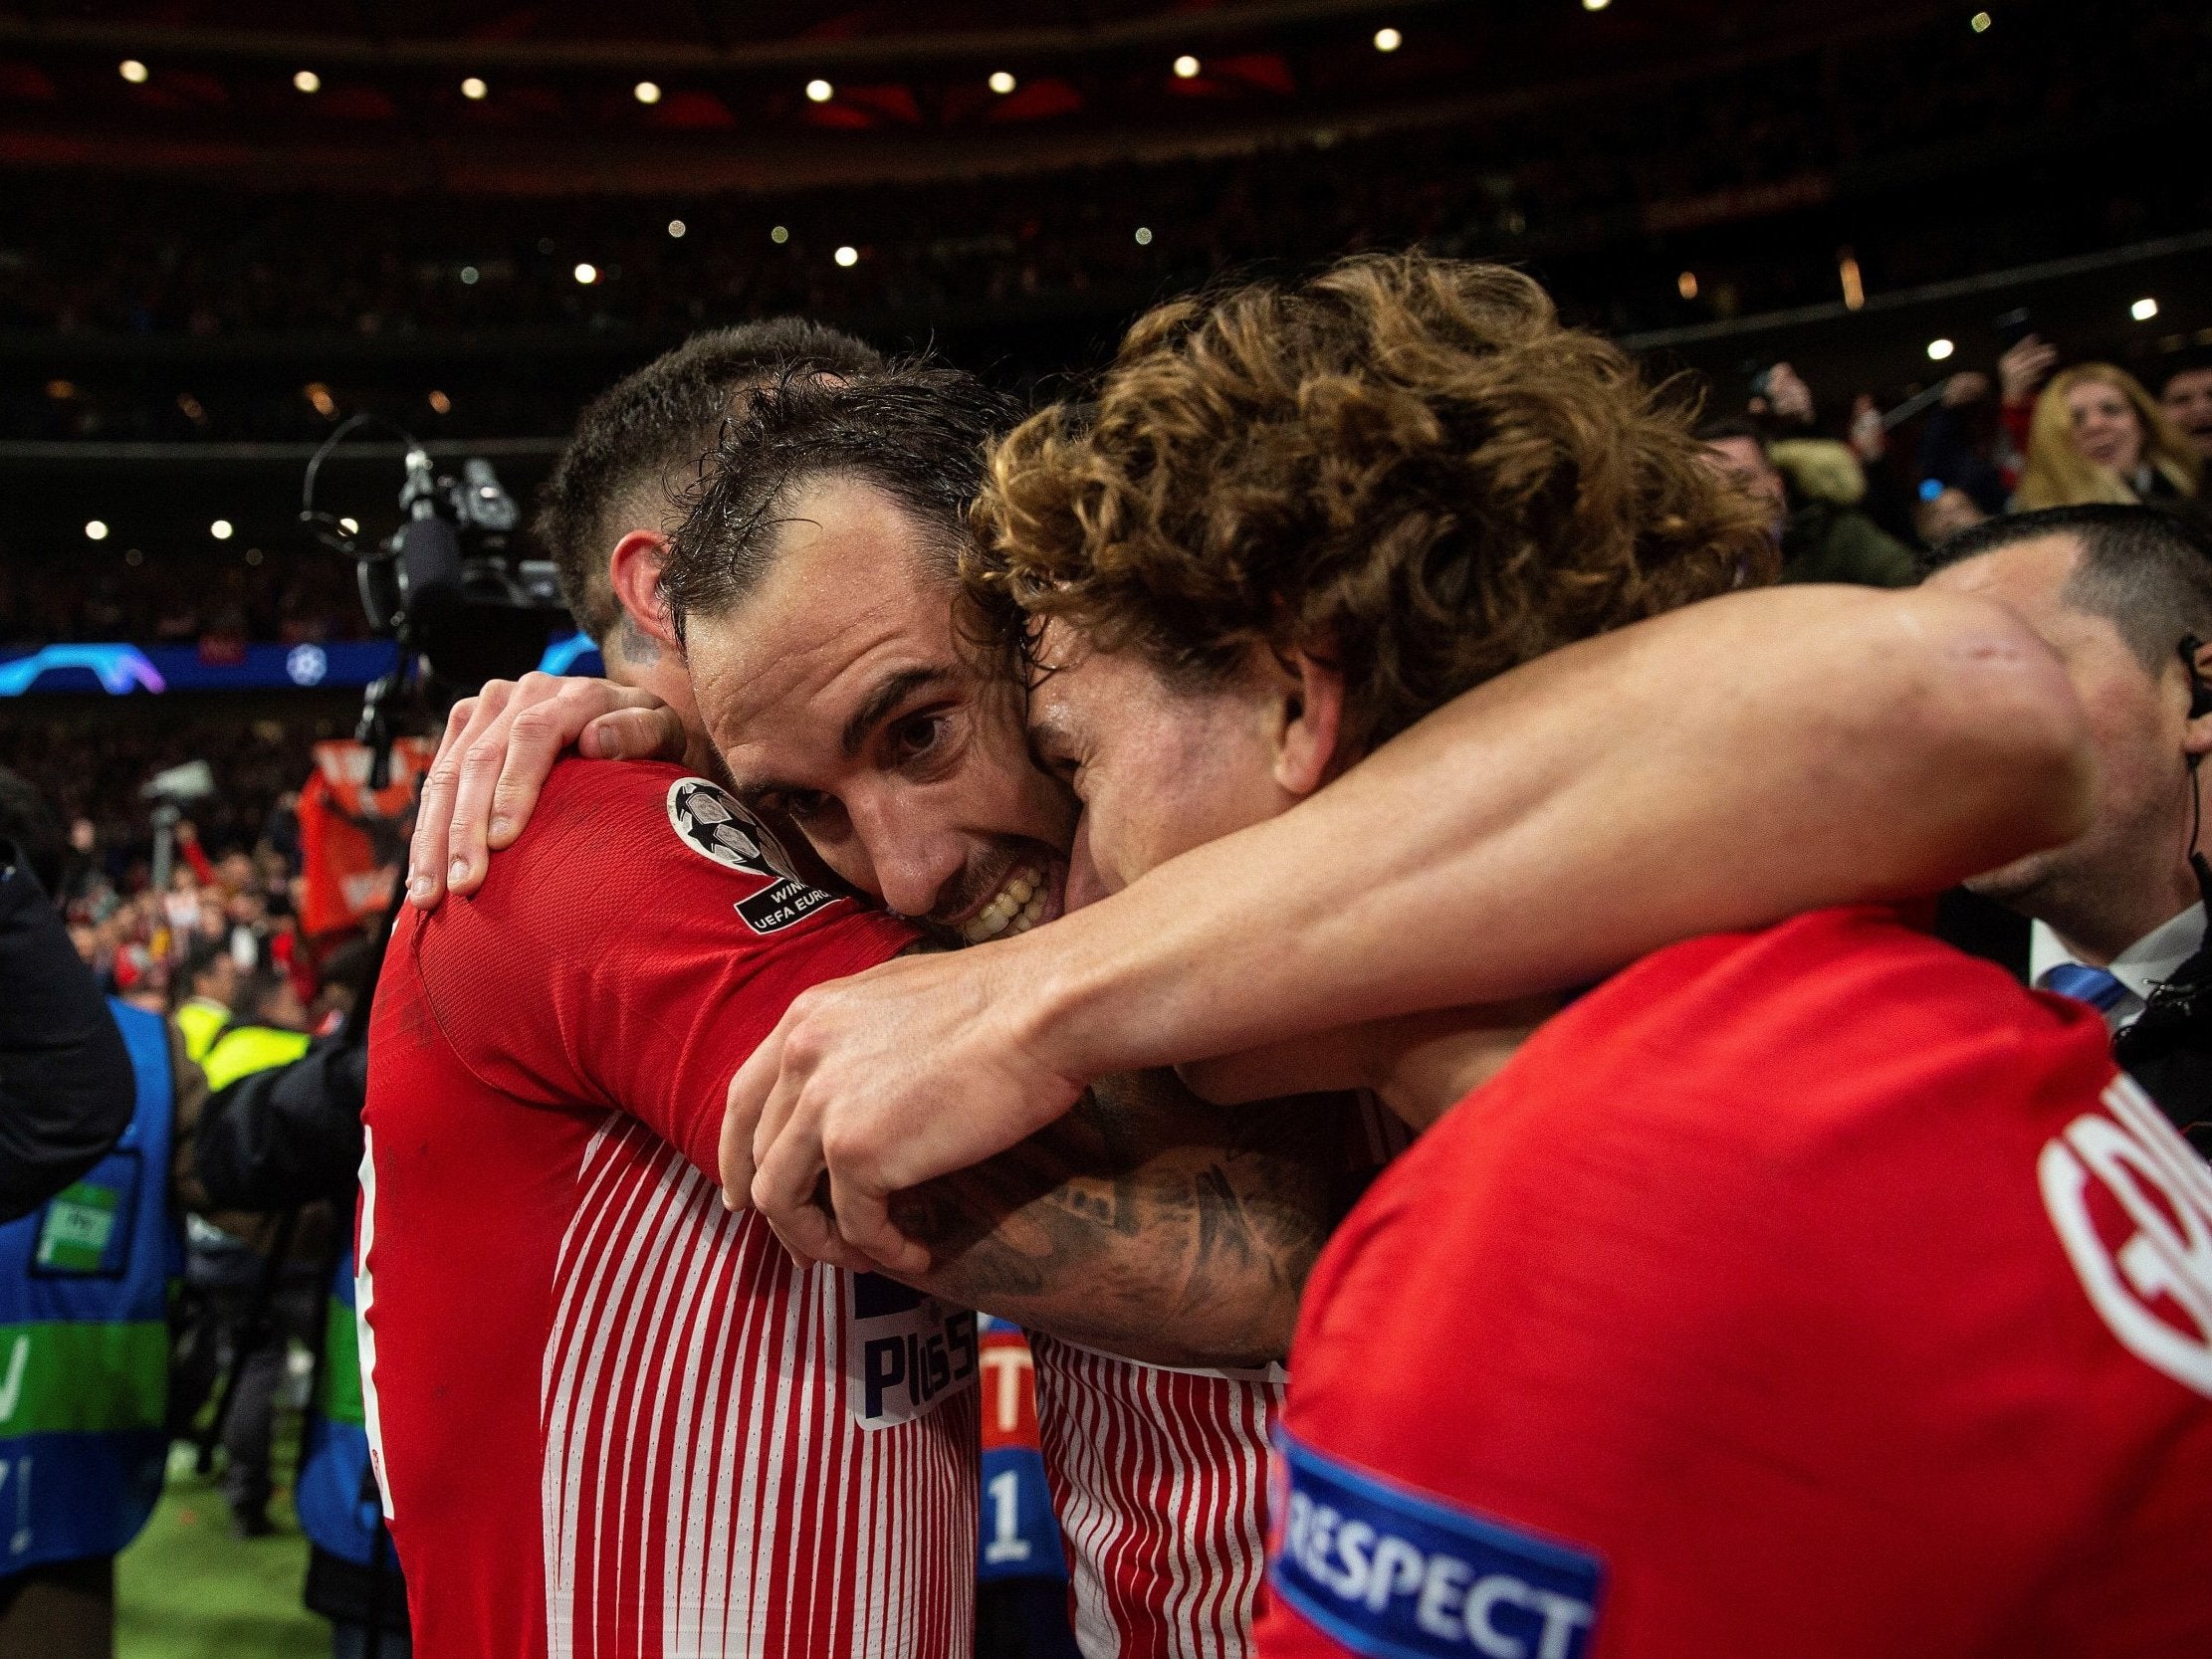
178	598
2098	436
2185	398
1945	512
1811	489
256	1313
1956	455
2123	595
209	979
92	763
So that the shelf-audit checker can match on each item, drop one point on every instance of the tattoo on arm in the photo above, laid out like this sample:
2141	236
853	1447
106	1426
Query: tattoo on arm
1145	1222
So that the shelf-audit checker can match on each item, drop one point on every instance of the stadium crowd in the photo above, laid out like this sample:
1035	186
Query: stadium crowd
2018	431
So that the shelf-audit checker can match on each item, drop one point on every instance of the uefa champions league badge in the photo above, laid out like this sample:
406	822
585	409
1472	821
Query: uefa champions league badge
713	825
1398	1574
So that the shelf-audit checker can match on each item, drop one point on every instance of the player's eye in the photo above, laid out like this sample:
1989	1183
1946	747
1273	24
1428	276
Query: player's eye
1051	755
798	805
915	736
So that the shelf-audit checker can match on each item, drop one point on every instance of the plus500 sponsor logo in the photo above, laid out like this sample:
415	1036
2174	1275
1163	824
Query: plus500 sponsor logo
909	1351
1401	1576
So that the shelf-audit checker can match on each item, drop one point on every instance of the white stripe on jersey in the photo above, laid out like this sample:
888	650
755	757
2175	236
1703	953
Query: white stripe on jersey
364	1338
1160	1478
708	1487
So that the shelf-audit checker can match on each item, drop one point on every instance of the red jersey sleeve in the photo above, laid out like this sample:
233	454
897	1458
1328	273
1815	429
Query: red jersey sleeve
632	948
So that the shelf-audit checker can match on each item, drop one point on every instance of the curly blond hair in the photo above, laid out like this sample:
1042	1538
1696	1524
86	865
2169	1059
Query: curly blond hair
1405	466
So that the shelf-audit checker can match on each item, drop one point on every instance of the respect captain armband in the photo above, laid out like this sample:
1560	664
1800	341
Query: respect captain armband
1399	1575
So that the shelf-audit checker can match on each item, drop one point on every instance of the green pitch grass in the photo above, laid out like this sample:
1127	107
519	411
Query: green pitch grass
187	1590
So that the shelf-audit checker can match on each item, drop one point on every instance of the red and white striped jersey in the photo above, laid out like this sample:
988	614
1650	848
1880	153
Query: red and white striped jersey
1160	1477
612	1418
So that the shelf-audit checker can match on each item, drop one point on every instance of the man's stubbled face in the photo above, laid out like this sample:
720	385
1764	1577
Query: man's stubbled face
839	697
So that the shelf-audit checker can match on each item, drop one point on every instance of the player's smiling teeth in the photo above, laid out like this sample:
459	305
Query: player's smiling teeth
1019	906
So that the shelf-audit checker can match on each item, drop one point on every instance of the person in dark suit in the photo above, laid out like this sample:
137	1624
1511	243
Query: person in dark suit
2123	595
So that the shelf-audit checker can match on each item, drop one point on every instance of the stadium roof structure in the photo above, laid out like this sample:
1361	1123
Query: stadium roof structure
708	95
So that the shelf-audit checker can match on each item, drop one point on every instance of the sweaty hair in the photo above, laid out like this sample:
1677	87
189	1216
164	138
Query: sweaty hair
1405	466
917	431
2145	571
648	432
29	823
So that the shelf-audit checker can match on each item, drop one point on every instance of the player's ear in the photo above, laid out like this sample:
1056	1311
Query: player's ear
634	571
1309	721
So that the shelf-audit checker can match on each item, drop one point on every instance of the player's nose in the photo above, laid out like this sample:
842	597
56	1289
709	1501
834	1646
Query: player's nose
910	865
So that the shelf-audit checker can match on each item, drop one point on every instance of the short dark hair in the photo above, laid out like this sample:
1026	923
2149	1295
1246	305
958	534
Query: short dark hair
664	417
2145	571
1723	427
2193	362
916	430
200	955
29	823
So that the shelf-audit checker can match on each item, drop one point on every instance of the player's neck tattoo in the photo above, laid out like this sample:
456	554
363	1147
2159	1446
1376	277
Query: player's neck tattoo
635	644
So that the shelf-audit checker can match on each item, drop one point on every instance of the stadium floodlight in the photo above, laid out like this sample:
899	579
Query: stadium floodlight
1000	82
2143	309
94	530
1186	66
1387	40
646	92
473	88
307	80
221	529
132	71
1938	350
847	256
586	273
819	91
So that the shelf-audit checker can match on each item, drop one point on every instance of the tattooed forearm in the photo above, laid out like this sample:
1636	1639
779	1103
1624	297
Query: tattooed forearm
1145	1222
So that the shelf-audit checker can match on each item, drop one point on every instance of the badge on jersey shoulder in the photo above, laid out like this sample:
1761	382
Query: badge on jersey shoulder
716	827
1399	1575
906	1354
2132	1207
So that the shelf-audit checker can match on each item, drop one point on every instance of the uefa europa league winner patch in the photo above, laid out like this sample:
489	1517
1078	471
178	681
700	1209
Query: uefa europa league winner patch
713	825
